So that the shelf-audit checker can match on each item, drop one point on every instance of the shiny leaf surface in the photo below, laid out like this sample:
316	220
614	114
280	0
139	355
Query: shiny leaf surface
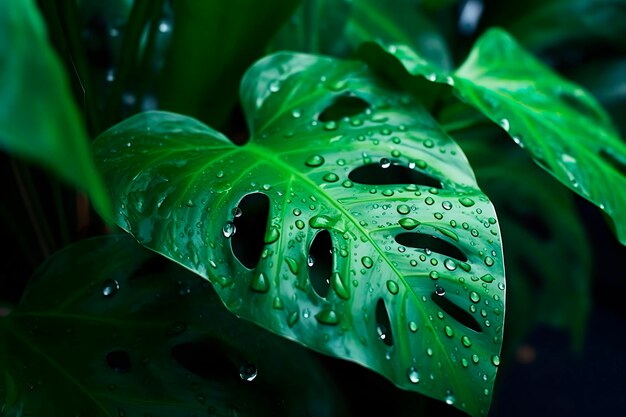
562	126
375	244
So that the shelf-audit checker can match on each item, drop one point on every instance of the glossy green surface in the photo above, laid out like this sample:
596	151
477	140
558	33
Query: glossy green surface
427	317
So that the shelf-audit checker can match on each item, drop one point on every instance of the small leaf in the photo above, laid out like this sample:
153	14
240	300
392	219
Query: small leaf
355	180
39	121
557	122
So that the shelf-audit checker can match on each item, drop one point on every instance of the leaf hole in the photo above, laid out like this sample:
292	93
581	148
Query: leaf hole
119	361
377	174
435	244
343	106
207	358
383	324
249	239
618	164
456	312
320	263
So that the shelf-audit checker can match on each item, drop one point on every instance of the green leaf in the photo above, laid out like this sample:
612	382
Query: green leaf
213	42
414	288
135	336
557	122
39	121
548	255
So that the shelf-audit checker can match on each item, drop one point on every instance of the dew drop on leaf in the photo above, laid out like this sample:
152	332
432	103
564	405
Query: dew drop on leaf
440	291
367	262
248	371
487	278
466	341
413	375
466	201
489	261
495	359
403	209
330	177
328	317
448	331
110	287
260	283
392	286
272	235
292	264
385	163
315	161
450	264
474	297
237	212
408	223
449	398
228	229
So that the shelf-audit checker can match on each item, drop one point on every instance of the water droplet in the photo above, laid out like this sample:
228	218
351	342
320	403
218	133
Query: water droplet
466	201
382	331
321	222
328	317
292	318
296	113
110	287
505	124
449	398
431	77
347	184
387	193
450	264
260	283
487	278
466	341
292	264
272	235
448	331
278	303
314	161
429	351
297	212
440	291
446	205
274	86
392	286
330	177
408	223
413	375
495	359
248	371
229	229
464	363
340	287
429	143
489	261
403	209
434	275
367	262
429	201
475	358
331	125
300	224
385	163
474	297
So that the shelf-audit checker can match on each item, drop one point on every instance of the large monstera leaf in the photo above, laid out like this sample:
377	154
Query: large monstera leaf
414	287
559	124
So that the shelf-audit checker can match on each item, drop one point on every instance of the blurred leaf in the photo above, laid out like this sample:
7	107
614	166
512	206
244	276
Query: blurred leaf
40	121
316	26
560	25
212	45
399	22
562	126
137	335
378	184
